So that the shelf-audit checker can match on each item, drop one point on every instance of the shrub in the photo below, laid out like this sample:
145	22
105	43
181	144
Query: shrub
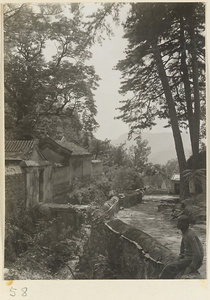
24	231
126	179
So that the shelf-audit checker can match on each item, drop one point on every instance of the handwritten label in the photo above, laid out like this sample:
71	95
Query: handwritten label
16	292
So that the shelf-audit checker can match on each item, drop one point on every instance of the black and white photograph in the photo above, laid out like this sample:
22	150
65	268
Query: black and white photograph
104	141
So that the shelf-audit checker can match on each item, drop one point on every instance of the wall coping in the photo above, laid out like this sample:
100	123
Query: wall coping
149	246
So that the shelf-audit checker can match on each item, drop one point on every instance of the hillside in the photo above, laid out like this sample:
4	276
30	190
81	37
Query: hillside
162	145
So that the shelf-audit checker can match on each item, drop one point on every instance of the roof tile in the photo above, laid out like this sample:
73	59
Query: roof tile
18	149
74	147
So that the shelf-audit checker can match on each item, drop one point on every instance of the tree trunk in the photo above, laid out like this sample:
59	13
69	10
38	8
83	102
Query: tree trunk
173	117
187	88
195	72
196	87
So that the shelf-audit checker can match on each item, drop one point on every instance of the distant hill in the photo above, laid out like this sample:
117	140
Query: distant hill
162	145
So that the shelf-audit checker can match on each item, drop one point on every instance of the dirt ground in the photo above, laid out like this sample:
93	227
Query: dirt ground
160	224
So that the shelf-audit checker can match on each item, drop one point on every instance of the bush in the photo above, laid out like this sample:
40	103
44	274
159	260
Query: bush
125	179
24	231
95	192
104	185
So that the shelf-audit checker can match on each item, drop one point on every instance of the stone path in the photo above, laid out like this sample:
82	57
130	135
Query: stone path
146	217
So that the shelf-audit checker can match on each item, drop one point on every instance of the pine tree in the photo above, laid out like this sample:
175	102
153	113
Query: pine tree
163	69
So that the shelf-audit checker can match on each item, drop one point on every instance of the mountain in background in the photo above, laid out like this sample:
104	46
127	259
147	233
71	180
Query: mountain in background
162	145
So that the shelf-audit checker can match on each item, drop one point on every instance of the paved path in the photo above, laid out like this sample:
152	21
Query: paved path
161	226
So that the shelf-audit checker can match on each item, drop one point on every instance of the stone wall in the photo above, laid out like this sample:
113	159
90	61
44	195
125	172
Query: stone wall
134	254
108	210
97	167
48	184
60	180
128	253
14	192
80	167
87	168
32	186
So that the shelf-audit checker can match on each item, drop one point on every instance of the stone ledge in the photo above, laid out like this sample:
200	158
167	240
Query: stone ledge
152	249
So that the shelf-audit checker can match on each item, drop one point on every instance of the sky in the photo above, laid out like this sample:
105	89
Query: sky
107	98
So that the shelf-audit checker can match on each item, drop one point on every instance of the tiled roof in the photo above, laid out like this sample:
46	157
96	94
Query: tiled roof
19	149
55	145
19	145
74	147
